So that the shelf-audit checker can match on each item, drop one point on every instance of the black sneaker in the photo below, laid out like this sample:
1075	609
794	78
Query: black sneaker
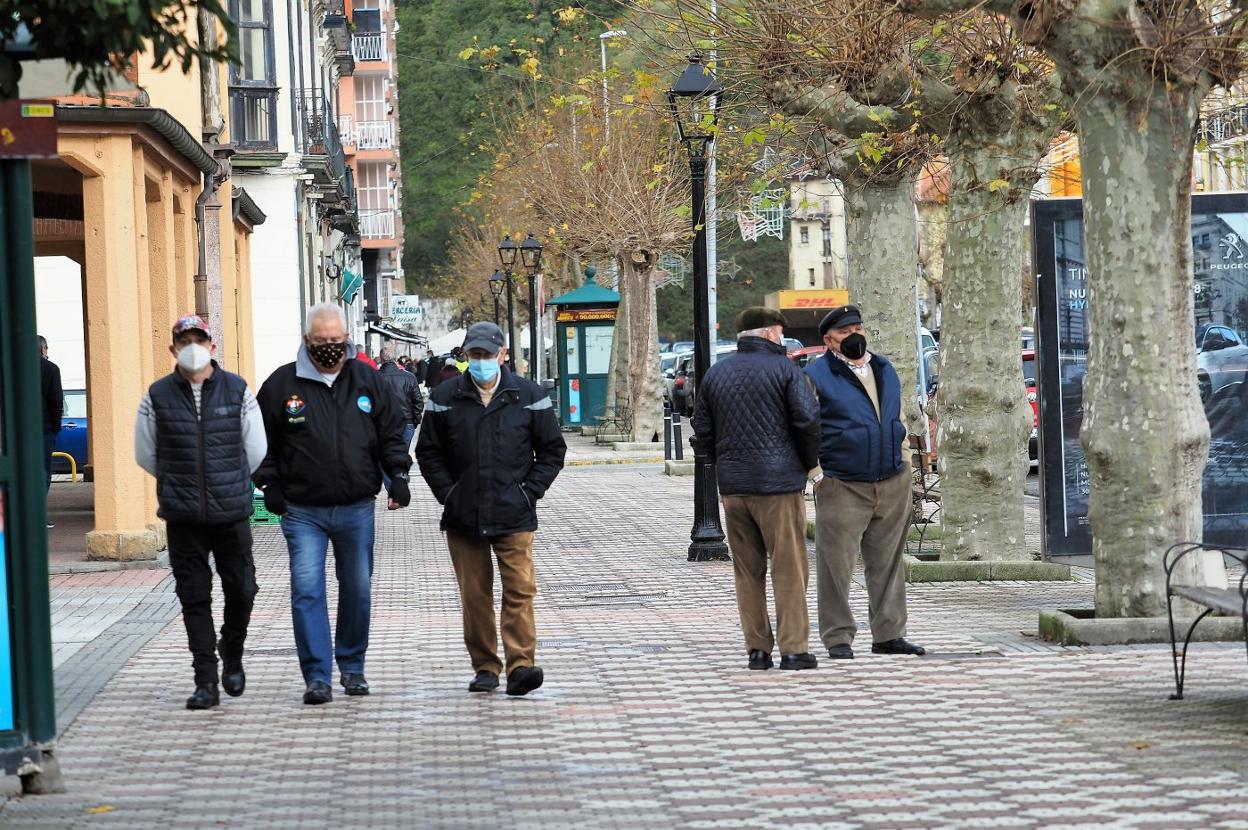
760	660
485	681
233	678
899	646
318	692
205	696
797	662
523	679
354	684
841	652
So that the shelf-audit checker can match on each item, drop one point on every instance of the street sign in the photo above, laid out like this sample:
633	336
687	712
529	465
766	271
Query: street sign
1220	263
27	130
405	310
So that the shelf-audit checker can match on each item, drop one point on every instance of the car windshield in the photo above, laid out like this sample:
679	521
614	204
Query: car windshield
1029	370
75	404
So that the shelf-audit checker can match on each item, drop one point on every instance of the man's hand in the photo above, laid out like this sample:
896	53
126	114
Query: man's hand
274	500
400	494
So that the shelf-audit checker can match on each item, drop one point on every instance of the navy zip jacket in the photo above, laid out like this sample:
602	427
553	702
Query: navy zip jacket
856	445
756	416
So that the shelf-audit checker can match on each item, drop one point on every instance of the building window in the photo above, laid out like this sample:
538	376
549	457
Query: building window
827	241
810	273
805	232
253	86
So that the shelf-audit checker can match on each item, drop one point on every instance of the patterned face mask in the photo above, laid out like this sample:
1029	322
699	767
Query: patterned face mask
327	355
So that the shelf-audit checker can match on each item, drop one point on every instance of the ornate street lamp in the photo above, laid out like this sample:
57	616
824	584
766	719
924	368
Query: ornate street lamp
497	284
531	256
694	104
507	251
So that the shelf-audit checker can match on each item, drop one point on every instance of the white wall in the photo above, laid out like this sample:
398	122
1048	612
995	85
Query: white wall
58	313
276	309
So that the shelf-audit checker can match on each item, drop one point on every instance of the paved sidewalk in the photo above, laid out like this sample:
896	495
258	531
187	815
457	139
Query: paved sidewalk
649	718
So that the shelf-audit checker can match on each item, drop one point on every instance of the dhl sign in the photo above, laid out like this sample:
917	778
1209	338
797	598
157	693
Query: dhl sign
814	298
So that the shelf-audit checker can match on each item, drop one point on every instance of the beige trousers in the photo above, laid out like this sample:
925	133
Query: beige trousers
474	570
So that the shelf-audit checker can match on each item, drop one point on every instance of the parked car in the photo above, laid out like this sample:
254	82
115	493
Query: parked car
1221	361
803	357
684	381
667	368
74	432
1033	398
791	344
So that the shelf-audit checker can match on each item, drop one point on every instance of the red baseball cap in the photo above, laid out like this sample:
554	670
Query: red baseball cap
191	322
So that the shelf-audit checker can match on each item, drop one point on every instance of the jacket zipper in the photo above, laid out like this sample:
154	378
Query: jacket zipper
203	474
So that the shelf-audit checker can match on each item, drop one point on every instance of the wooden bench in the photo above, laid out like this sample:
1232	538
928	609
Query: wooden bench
619	418
1232	601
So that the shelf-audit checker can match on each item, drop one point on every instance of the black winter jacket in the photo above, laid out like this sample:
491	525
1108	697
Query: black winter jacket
201	462
407	389
757	416
329	444
52	394
489	465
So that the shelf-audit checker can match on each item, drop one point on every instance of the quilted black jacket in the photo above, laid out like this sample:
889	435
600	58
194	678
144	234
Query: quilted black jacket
758	417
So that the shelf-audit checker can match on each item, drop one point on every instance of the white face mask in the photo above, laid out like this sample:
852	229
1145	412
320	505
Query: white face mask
194	358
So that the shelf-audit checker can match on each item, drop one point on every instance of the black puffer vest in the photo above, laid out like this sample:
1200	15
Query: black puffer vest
201	462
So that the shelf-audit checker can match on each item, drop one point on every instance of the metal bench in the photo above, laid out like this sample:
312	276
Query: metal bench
1232	601
618	417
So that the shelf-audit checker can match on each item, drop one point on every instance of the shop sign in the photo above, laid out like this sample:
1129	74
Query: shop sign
585	315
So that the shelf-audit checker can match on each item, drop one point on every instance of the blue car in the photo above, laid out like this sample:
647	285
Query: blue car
73	436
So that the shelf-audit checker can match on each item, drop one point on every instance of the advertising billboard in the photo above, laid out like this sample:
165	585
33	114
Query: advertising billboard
1219	328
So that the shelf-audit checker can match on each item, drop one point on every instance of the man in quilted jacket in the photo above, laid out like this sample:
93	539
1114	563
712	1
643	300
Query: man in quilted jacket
757	416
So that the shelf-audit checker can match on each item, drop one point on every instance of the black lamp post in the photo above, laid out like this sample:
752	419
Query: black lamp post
694	104
531	255
507	250
497	284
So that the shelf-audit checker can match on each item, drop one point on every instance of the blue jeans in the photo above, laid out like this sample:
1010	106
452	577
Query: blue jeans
309	530
408	431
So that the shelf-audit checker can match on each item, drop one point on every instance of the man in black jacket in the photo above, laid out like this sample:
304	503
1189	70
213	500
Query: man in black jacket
199	432
333	426
758	418
53	399
490	448
406	389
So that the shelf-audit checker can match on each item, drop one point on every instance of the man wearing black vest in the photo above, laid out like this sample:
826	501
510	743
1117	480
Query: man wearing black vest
199	432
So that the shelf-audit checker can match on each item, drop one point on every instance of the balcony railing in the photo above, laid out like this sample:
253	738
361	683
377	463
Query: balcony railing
369	46
346	129
374	135
377	224
320	132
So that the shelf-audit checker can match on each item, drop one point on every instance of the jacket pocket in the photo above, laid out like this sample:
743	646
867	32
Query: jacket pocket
446	500
525	493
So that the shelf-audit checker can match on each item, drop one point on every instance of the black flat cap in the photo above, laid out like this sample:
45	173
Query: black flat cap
485	336
840	316
758	317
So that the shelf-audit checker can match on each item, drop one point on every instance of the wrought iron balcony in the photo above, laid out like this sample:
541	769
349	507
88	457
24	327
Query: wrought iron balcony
320	139
369	46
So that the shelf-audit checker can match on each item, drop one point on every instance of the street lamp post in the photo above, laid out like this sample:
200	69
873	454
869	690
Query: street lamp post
507	250
531	255
694	104
497	283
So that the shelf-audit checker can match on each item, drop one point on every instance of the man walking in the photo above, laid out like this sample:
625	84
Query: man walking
490	448
199	432
862	496
758	418
333	427
53	400
407	392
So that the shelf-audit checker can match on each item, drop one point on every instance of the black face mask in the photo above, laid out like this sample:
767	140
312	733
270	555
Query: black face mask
854	346
328	355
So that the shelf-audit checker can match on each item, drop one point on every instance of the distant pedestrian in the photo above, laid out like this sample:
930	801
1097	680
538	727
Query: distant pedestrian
490	448
433	368
407	392
454	367
333	426
52	397
758	418
862	497
199	432
365	358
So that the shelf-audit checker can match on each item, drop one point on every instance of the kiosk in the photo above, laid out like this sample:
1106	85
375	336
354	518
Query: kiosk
584	327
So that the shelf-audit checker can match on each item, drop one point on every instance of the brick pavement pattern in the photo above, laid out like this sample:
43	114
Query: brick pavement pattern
649	717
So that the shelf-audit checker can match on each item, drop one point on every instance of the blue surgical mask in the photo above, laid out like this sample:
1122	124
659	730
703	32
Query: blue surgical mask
483	371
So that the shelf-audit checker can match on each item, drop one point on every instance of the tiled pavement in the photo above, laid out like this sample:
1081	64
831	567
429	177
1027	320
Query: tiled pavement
649	718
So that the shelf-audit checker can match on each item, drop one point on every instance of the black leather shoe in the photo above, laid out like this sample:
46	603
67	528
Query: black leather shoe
899	646
841	652
318	692
522	680
233	679
354	684
206	696
760	660
797	662
485	681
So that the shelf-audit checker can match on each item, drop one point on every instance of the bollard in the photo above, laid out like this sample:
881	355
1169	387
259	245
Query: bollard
667	430
677	441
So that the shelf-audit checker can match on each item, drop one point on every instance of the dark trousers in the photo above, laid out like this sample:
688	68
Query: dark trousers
49	441
230	545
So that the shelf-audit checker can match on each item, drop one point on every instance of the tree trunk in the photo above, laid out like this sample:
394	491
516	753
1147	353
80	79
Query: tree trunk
1144	430
983	415
882	250
634	369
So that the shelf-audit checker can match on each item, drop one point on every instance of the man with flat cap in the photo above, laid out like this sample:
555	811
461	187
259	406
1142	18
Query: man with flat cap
758	418
862	495
489	448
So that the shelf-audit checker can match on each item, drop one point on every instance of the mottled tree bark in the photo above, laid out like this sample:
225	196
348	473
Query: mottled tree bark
633	378
1144	430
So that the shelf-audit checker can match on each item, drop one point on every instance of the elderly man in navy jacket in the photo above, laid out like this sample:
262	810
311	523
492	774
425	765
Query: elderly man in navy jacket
862	496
